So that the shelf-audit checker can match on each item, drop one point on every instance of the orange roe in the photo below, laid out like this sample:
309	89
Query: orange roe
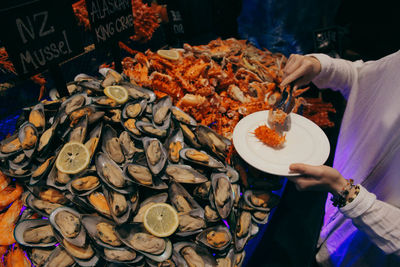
269	136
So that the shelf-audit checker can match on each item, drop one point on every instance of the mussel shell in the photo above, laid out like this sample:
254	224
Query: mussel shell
203	252
203	190
240	242
6	141
164	102
142	104
189	135
37	190
24	225
45	144
90	223
109	133
128	153
40	109
82	124
81	262
95	135
84	100
191	121
232	174
83	192
159	166
203	136
90	111
39	256
212	162
138	257
21	136
18	161
202	237
257	220
101	160
199	178
53	254
158	198
231	256
225	210
80	239
51	179
196	213
141	126
175	190
157	183
175	136
125	216
150	95
46	166
111	76
30	202
273	200
125	233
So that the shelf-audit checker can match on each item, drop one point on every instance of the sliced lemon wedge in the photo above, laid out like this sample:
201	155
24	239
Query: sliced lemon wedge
117	93
168	54
161	220
74	157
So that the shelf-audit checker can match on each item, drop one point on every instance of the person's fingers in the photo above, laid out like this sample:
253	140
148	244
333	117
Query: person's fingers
292	58
300	82
305	169
298	73
292	67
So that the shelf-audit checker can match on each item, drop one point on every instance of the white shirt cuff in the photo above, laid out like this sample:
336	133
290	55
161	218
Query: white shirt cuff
359	205
326	68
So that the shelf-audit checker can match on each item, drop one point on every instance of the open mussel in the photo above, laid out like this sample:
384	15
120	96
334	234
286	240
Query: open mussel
181	199
37	117
101	231
44	208
46	139
85	184
134	109
216	143
244	230
111	145
75	102
223	195
136	237
78	132
155	154
121	255
98	202
189	135
200	158
189	254
202	191
174	144
48	193
148	129
60	258
34	233
130	126
90	111
111	77
42	170
67	222
119	204
161	112
57	179
10	145
127	145
210	214
182	116
261	200
28	137
111	174
191	222
185	174
38	256
137	92
217	237
93	139
142	176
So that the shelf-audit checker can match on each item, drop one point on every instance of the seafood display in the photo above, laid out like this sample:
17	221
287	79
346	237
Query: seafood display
153	152
219	83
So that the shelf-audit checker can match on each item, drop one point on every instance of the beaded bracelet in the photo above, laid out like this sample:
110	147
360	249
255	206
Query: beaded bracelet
340	200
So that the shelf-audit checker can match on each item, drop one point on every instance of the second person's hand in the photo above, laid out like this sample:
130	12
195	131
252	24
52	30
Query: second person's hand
300	70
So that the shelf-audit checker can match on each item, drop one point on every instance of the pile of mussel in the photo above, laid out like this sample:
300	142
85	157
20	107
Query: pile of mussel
141	152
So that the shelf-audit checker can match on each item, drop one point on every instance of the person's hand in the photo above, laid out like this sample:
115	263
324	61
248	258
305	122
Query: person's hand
317	178
300	70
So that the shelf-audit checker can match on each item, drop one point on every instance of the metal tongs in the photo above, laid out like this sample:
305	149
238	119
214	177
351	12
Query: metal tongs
286	102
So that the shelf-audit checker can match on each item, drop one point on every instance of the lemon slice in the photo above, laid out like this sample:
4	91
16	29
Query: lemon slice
161	220
168	54
73	158
117	93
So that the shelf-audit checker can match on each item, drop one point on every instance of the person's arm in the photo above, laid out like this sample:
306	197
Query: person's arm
322	70
379	220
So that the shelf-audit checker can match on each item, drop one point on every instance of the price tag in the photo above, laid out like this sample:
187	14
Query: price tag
110	20
39	34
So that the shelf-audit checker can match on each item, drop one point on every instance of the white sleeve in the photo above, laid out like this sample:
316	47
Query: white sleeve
337	74
379	220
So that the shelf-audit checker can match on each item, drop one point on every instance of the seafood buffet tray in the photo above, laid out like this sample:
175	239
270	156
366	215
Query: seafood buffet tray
305	143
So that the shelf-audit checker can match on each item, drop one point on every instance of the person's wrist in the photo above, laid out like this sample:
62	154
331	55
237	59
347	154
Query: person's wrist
316	65
338	185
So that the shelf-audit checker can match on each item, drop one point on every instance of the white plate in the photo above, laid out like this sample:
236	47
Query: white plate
305	143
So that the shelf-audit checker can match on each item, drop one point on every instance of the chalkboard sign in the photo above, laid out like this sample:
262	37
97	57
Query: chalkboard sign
110	20
39	34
